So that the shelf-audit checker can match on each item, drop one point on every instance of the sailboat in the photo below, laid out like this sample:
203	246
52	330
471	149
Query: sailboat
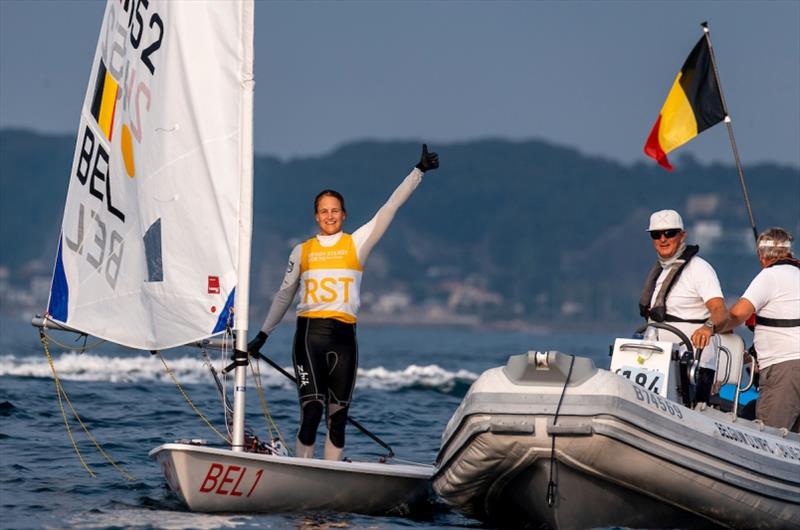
154	251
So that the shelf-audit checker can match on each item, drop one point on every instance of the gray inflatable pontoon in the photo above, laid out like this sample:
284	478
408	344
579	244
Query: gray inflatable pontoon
624	455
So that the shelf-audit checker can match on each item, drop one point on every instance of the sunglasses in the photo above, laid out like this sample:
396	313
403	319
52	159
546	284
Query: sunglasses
669	234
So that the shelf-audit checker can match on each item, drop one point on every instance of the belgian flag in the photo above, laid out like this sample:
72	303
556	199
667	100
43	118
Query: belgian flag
694	104
104	100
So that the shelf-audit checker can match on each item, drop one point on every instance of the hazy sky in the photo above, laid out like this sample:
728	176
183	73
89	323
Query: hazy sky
592	75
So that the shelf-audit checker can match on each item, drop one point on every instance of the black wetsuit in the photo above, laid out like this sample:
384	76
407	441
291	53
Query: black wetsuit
325	357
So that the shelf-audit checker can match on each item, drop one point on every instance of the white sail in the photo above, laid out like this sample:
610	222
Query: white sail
158	214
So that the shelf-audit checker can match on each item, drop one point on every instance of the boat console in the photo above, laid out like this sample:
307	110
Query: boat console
670	369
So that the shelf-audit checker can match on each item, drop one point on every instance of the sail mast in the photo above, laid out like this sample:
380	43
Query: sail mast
245	225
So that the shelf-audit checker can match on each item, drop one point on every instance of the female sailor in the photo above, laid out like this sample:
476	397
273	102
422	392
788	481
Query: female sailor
328	268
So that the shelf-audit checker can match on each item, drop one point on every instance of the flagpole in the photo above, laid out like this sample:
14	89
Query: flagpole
729	125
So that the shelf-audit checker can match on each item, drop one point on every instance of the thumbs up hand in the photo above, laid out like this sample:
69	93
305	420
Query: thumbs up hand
428	160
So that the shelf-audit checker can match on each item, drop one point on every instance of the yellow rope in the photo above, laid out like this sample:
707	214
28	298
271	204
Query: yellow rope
188	400
61	392
83	348
267	416
61	406
272	427
264	408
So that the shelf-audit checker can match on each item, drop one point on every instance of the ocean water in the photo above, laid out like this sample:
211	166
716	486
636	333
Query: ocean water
410	381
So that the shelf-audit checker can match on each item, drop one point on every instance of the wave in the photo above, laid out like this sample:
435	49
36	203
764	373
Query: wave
430	377
191	370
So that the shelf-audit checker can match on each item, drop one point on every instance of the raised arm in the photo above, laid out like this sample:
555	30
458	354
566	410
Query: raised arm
369	234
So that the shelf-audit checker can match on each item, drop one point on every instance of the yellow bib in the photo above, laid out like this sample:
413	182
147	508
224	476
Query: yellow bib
330	280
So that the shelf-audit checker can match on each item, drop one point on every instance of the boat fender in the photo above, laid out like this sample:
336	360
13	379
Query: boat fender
658	312
501	426
577	429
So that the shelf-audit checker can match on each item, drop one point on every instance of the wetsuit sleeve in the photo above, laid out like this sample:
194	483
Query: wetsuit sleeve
368	235
285	295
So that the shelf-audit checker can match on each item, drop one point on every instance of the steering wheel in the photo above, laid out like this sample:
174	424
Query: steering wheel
681	335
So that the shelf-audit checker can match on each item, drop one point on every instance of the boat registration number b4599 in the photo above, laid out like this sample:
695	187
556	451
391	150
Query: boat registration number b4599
234	481
649	379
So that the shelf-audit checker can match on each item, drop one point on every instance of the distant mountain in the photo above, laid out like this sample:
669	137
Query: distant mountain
525	230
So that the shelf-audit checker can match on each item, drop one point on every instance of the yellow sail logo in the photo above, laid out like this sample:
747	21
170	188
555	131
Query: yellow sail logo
126	144
104	111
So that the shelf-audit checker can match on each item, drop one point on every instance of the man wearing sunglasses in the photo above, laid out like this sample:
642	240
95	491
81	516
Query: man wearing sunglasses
682	289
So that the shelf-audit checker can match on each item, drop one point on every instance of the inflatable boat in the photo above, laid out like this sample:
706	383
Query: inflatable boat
549	440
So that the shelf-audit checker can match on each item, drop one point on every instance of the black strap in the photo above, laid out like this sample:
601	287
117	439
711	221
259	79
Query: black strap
781	322
673	318
239	359
675	271
778	322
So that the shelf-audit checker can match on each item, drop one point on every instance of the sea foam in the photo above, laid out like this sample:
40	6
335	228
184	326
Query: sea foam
190	370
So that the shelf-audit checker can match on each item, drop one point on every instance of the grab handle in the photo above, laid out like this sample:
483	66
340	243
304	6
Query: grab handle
648	347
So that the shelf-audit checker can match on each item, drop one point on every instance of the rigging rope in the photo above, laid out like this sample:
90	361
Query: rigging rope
61	392
188	399
62	396
217	382
224	351
272	427
83	348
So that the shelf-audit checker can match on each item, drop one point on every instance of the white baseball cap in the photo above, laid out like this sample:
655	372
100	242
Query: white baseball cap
664	220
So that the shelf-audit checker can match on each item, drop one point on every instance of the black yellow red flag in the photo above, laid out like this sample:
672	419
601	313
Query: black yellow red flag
104	100
694	104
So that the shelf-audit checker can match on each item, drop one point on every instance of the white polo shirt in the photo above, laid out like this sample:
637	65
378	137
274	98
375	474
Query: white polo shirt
775	293
697	284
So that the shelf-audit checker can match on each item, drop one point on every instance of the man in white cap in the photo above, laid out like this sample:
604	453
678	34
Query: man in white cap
682	289
775	295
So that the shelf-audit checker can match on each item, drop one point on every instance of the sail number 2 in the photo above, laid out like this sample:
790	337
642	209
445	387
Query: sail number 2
230	480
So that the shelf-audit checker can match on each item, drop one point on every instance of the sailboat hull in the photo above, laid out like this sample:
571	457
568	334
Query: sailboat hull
220	480
623	457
